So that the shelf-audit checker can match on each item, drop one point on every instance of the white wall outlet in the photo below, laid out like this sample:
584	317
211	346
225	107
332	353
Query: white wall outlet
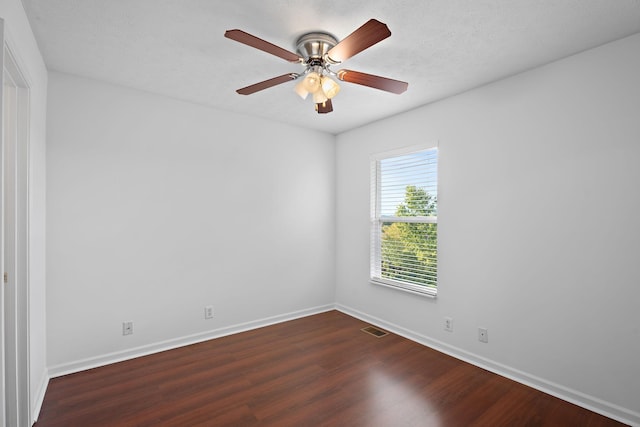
127	328
448	324
483	335
208	312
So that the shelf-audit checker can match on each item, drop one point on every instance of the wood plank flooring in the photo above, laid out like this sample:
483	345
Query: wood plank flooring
320	370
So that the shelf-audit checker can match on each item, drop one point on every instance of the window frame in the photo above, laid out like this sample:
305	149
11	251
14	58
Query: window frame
377	219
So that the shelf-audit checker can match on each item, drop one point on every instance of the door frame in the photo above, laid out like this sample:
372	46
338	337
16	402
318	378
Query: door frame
14	93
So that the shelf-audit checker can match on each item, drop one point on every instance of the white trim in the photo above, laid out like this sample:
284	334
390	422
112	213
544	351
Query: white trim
39	400
14	69
119	356
17	58
405	150
576	397
406	287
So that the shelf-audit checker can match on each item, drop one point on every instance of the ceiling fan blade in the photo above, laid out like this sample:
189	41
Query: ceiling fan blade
324	107
376	82
263	45
267	84
372	32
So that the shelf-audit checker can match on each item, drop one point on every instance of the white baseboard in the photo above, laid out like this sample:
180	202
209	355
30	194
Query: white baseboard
37	404
592	403
94	362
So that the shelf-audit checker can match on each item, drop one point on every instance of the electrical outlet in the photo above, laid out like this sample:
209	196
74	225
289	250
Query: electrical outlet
208	312
483	335
448	324
127	328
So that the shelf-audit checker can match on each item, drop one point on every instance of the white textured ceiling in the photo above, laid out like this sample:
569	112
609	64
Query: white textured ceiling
441	47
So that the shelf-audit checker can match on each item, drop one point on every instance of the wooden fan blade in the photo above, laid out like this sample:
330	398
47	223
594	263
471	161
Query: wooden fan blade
324	107
376	82
263	45
370	33
267	84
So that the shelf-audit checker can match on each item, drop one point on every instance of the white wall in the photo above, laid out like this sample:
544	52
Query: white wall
22	43
157	208
538	227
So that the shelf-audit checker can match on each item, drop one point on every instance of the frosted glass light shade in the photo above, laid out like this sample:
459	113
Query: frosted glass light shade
319	97
312	82
301	90
330	87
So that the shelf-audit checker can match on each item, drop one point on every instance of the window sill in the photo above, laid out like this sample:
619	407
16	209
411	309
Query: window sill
427	292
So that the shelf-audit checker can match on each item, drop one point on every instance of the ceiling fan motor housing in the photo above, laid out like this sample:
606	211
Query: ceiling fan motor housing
314	46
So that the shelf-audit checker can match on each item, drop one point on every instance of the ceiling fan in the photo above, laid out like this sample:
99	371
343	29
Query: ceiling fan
317	52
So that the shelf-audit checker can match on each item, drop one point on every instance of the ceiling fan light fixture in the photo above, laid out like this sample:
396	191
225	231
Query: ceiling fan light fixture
319	97
329	87
312	82
301	90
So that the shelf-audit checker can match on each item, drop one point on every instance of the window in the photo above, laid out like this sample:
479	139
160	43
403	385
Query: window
404	220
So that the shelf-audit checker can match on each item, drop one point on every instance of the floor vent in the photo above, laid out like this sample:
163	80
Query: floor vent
374	331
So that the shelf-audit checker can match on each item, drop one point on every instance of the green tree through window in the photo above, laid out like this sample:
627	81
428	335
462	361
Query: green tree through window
409	250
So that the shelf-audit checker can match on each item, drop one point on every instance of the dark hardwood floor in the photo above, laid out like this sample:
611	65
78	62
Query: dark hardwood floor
316	371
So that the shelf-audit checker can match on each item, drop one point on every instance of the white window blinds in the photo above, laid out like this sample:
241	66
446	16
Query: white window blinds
404	221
